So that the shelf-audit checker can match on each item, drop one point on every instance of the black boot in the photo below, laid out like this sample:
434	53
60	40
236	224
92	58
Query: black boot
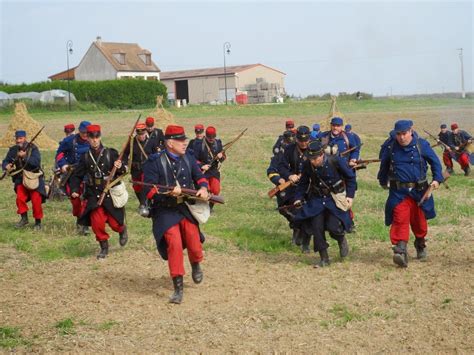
177	296
104	249
123	236
197	273
23	221
343	247
37	226
296	240
420	247
400	256
467	170
450	170
324	259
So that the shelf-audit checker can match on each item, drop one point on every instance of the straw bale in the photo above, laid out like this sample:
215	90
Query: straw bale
163	117
22	120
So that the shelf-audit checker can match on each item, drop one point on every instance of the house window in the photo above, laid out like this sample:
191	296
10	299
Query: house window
146	58
120	58
151	78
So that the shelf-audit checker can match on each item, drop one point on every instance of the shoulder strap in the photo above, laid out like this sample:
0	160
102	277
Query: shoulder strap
164	164
346	139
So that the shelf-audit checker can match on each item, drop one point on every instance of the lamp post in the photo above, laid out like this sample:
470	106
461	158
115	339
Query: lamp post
226	48
463	93
68	52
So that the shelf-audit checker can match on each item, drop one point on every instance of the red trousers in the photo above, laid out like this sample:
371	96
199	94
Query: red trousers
462	159
22	197
99	217
406	214
214	185
447	160
136	187
183	234
77	205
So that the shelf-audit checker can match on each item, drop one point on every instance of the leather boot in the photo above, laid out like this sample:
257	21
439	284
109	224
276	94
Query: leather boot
296	240
343	247
324	258
104	249
123	237
197	273
37	226
400	256
467	170
177	296
23	220
450	170
420	247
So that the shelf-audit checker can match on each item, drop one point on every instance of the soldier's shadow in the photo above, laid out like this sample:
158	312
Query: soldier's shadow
138	283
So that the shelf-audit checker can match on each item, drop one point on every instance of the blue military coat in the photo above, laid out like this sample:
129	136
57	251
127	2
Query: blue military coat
344	142
409	164
203	156
161	168
70	150
329	173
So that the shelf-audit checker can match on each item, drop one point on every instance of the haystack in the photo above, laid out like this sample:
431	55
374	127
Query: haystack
163	117
22	120
333	112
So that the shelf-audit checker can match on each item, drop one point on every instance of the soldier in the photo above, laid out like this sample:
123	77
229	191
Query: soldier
290	167
339	141
328	187
155	135
446	137
289	126
403	167
21	158
316	132
142	149
174	228
68	155
209	154
94	168
69	129
460	140
349	132
199	131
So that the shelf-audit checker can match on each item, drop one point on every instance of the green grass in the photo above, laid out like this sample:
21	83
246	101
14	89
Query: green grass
11	338
65	326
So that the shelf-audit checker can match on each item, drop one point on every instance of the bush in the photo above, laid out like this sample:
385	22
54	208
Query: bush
121	94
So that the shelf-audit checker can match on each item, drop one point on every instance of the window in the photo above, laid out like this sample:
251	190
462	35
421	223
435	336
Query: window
120	58
151	78
146	58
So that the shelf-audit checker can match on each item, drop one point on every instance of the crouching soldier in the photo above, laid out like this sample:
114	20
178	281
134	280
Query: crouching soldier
23	164
95	166
327	186
174	228
403	167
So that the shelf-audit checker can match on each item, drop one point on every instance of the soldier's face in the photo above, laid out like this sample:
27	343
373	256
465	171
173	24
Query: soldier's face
177	147
20	140
444	130
210	139
302	144
83	135
404	138
199	135
141	136
150	128
336	129
94	142
318	161
456	130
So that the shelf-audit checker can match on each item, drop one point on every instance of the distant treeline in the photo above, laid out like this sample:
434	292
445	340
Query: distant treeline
359	95
116	94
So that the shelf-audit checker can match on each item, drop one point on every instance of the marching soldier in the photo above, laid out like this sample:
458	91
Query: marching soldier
349	132
290	167
446	137
199	131
94	168
316	132
209	154
142	149
155	135
460	140
403	169
339	141
68	155
289	126
327	186
24	158
174	228
69	129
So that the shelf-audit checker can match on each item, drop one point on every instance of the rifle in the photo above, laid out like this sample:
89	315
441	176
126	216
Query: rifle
279	188
227	146
362	163
114	169
190	193
347	151
430	189
25	148
69	170
287	207
438	141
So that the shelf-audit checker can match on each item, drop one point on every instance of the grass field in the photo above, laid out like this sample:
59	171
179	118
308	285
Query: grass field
248	254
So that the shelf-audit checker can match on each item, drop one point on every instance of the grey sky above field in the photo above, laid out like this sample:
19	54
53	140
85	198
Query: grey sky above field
376	47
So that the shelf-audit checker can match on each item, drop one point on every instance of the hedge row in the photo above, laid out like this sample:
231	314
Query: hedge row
121	94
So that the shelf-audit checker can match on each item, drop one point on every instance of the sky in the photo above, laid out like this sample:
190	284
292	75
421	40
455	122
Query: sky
382	47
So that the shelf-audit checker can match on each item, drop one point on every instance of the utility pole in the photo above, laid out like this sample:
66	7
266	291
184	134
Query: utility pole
463	93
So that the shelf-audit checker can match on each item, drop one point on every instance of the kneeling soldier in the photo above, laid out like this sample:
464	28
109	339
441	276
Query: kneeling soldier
174	227
95	165
403	168
328	186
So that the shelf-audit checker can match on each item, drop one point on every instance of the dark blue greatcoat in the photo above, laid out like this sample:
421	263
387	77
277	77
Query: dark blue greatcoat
70	150
408	167
277	146
32	162
165	209
86	171
136	165
203	157
342	144
329	174
290	163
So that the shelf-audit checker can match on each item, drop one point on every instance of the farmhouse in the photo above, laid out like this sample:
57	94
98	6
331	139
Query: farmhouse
109	61
252	83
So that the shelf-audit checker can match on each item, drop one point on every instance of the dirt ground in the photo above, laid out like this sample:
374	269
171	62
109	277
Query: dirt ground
248	302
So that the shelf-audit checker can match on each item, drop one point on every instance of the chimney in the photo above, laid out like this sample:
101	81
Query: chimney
98	40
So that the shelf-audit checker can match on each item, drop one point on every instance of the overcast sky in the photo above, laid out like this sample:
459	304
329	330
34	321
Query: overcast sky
376	47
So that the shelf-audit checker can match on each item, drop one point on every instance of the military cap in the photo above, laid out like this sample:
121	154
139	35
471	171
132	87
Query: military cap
403	125
337	121
20	133
175	132
315	149
444	125
83	126
454	125
302	133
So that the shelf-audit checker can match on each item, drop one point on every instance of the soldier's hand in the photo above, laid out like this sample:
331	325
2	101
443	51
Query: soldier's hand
352	163
205	167
9	167
294	178
297	203
435	185
118	164
349	201
202	192
64	168
281	181
220	155
176	191
74	195
21	153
